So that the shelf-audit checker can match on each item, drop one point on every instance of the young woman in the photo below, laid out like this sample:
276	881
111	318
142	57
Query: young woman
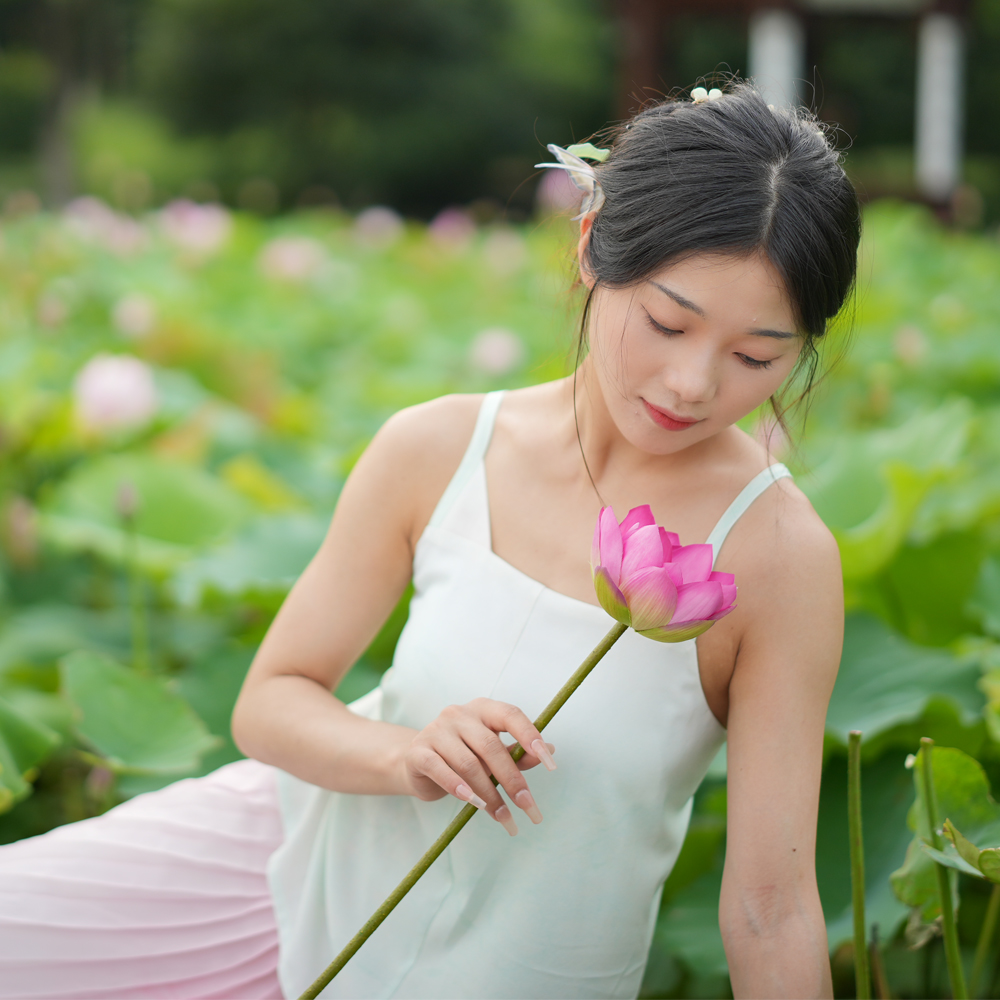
726	241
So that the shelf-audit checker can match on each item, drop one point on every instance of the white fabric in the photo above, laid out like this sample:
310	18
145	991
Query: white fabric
567	908
739	506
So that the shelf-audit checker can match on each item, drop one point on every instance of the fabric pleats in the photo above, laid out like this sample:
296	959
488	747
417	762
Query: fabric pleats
165	896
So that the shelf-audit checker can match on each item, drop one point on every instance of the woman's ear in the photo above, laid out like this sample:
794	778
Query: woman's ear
582	250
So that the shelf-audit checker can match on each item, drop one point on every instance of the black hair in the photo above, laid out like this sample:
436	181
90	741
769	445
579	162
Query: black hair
735	176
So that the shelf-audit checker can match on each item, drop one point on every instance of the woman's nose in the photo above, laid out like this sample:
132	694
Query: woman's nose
691	377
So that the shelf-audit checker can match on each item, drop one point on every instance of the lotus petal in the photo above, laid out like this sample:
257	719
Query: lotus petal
679	632
698	601
608	543
610	596
728	582
695	562
642	549
637	517
652	597
669	542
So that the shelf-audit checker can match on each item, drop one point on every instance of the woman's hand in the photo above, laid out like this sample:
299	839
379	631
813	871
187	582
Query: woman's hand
461	748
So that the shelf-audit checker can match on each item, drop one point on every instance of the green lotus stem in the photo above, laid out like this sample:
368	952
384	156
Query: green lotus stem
127	502
986	936
453	828
956	974
862	976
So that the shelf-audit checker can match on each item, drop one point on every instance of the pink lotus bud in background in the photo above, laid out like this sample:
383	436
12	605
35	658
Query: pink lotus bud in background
646	579
557	193
127	501
378	227
114	391
910	345
452	228
504	252
292	259
197	229
89	219
134	315
496	351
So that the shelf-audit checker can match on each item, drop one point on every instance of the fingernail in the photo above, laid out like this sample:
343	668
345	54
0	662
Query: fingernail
541	751
504	818
527	803
466	793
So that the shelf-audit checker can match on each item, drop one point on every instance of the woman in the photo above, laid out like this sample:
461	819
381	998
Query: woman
726	241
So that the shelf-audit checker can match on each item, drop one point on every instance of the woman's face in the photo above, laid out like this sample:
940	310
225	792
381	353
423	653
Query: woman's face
691	350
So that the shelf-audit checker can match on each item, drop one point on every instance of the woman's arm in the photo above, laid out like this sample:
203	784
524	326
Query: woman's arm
286	714
769	912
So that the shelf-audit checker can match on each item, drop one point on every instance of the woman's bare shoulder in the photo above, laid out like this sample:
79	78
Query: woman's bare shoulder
416	452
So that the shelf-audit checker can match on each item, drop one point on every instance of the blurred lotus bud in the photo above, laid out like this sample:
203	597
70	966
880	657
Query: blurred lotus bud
134	315
910	345
504	252
201	230
378	227
127	501
89	219
293	259
113	392
52	310
496	351
20	532
99	783
557	193
771	435
452	228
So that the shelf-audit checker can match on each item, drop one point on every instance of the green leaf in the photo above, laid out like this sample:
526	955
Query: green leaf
985	861
984	604
963	794
24	745
869	489
885	681
181	508
134	721
268	555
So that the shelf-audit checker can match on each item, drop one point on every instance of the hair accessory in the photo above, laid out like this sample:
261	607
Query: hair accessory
699	95
580	173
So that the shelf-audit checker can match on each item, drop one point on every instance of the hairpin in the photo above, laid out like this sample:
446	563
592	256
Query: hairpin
580	173
699	95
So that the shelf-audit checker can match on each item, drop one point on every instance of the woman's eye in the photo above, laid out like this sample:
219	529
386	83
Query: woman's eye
754	362
660	328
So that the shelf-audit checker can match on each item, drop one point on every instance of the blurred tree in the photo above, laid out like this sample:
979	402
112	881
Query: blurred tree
415	102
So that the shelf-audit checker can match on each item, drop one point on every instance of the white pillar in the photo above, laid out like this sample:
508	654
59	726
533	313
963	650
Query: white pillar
777	53
939	105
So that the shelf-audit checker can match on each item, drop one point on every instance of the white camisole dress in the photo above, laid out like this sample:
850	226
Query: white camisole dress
566	908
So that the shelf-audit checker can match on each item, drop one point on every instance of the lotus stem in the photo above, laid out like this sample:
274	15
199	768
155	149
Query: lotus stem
451	831
986	936
880	984
953	954
127	503
862	976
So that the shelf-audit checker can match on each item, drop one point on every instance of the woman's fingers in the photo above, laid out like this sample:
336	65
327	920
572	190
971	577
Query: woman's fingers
530	760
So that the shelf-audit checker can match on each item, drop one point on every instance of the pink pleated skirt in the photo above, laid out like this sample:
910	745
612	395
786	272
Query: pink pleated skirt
165	896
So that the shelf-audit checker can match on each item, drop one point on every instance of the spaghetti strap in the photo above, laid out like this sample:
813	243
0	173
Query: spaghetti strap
472	458
738	507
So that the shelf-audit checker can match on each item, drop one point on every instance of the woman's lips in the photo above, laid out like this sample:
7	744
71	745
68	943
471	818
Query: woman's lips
668	420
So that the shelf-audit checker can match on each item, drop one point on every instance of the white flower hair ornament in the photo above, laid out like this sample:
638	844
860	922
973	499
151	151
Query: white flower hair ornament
699	95
581	174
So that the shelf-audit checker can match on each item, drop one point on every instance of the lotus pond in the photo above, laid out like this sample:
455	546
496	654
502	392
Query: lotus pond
149	533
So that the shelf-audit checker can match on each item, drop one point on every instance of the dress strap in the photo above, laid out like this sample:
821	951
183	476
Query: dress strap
472	458
738	507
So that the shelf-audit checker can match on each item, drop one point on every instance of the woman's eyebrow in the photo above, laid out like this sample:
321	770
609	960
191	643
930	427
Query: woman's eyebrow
776	334
679	299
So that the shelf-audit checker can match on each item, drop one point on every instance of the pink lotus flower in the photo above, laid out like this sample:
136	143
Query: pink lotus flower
113	392
645	578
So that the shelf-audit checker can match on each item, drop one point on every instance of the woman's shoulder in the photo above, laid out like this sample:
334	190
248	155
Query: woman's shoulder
417	451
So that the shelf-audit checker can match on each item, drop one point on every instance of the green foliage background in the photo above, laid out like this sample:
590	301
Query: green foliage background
270	387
